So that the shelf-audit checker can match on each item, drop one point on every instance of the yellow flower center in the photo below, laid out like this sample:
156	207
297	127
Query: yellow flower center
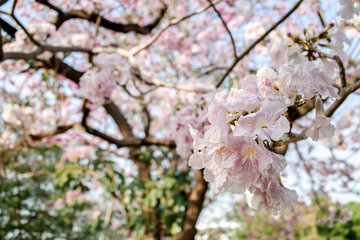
248	152
261	123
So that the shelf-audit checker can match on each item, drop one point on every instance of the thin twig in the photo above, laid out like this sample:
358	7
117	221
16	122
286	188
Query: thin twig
13	8
26	31
320	15
146	44
210	70
247	51
152	81
226	27
308	171
58	130
342	70
340	64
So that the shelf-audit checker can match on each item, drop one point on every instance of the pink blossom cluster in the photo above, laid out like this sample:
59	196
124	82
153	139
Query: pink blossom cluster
348	9
28	118
7	139
235	148
321	126
99	81
72	196
335	215
190	116
75	152
16	115
40	32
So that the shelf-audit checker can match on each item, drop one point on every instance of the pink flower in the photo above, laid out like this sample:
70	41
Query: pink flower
346	215
322	83
219	128
268	82
248	163
268	123
278	51
246	149
189	118
305	80
275	198
295	80
96	84
348	9
110	61
243	99
8	139
236	164
72	195
338	38
321	126
59	203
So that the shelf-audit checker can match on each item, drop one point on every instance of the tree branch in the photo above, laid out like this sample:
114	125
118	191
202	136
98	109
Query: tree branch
58	130
344	93
196	200
126	142
23	28
132	141
8	28
93	17
119	119
341	69
340	64
2	2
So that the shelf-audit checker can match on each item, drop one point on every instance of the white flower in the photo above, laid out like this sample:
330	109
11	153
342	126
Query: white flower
12	114
321	126
96	84
348	9
8	139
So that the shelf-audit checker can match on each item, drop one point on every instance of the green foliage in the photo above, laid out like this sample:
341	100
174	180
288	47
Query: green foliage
263	225
164	193
337	226
37	185
28	192
321	221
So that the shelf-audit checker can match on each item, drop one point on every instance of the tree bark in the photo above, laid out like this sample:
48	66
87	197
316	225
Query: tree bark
196	200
